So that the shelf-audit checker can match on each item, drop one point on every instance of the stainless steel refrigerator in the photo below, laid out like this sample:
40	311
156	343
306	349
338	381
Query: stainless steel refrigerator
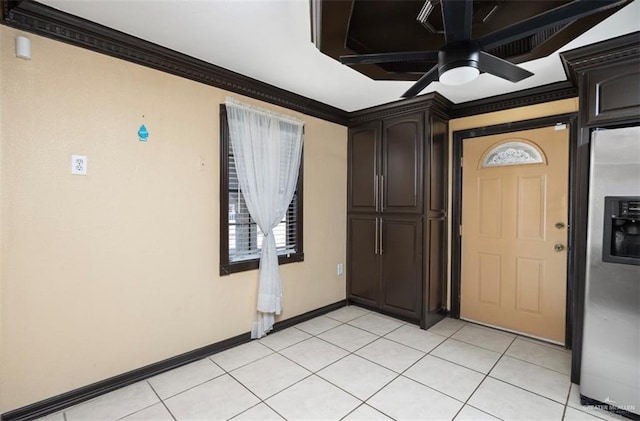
610	373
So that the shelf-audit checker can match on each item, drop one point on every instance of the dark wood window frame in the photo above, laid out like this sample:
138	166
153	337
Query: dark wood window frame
227	267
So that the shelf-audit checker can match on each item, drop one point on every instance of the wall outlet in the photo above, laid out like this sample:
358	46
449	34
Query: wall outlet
340	268
78	165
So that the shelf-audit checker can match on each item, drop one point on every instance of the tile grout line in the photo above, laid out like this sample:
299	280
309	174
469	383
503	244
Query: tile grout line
162	400
480	346
581	406
274	410
566	403
353	353
190	387
287	346
280	391
401	374
315	336
243	365
455	363
374	333
352	411
413	347
362	402
311	373
503	353
246	410
486	375
334	362
527	390
538	365
264	401
464	403
356	327
541	342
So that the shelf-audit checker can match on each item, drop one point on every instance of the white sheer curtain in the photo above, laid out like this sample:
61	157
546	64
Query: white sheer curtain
267	149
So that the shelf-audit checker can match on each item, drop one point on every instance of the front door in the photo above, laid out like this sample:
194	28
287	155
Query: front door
514	231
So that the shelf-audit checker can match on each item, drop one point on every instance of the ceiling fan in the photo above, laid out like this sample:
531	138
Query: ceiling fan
463	58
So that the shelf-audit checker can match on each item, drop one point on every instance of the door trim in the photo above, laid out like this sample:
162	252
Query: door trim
571	120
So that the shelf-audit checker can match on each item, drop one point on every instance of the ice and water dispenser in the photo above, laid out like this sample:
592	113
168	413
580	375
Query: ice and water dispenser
621	242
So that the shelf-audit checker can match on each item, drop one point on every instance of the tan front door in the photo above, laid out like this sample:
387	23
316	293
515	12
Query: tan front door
514	231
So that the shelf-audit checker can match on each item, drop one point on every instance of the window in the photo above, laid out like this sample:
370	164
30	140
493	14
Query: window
240	237
512	153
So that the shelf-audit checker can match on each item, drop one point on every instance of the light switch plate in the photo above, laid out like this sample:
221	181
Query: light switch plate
78	165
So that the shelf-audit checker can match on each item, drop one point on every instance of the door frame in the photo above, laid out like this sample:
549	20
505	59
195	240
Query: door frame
571	120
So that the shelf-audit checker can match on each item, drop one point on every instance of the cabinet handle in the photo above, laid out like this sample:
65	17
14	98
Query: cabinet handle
382	194
376	240
380	236
375	187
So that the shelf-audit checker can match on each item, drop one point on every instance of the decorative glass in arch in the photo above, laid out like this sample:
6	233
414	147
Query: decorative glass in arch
512	153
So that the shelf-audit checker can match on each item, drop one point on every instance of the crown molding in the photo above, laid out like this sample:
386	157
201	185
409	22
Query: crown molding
43	20
532	96
46	21
611	51
434	102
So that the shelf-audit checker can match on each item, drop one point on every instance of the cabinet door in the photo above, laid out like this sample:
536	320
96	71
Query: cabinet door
436	270
401	262
614	93
363	167
402	164
363	280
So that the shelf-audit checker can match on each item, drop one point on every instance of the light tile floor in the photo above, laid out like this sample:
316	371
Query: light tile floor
353	364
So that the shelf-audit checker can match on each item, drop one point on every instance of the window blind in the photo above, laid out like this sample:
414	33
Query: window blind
245	238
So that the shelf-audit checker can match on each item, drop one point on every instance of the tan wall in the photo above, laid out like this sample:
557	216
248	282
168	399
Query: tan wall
119	269
500	117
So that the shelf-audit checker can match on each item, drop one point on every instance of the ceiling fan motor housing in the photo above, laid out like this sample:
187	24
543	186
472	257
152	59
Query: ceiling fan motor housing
459	54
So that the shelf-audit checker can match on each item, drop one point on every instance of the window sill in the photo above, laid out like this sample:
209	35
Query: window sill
245	265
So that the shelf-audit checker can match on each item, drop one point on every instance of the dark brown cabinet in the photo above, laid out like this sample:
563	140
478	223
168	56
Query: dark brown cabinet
385	256
401	169
364	167
614	93
362	259
401	265
385	165
396	251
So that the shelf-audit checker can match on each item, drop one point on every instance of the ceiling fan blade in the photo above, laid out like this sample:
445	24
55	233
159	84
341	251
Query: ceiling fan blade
560	15
389	57
422	83
502	68
456	17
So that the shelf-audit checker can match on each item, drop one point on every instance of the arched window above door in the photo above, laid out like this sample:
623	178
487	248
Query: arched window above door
514	152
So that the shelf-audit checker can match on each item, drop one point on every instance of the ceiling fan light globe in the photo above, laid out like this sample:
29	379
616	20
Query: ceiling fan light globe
459	75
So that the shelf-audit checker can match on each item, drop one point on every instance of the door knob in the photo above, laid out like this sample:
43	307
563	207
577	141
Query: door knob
559	225
558	247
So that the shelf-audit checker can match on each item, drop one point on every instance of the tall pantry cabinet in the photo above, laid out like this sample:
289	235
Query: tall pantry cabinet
396	222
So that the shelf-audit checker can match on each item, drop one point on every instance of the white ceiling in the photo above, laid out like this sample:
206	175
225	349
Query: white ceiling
270	40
